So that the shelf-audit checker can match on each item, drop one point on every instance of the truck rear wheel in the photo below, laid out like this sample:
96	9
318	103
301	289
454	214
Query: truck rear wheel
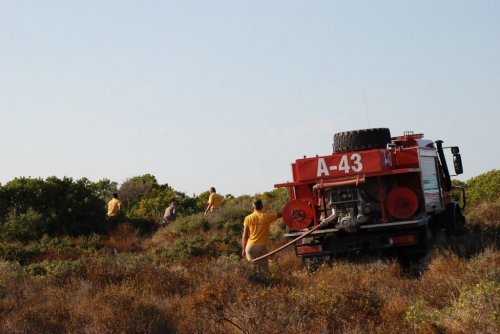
413	259
359	140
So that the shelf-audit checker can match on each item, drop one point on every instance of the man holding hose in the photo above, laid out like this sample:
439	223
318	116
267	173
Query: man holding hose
256	234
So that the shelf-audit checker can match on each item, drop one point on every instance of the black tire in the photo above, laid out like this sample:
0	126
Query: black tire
359	140
417	252
454	220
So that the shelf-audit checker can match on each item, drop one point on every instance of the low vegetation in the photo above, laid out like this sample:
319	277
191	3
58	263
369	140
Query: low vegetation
135	276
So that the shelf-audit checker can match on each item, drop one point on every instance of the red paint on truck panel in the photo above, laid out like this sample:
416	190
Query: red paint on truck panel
343	164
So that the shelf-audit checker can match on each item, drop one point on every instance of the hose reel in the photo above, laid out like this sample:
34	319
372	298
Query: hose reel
298	214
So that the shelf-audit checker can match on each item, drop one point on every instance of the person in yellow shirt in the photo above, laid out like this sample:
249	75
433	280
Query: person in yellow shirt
214	201
114	206
256	234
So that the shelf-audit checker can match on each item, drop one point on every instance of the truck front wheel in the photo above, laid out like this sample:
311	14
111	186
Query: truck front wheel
454	220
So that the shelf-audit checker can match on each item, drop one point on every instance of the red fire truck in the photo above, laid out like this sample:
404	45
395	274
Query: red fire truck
374	193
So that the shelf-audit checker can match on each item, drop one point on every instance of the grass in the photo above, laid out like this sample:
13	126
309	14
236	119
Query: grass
189	278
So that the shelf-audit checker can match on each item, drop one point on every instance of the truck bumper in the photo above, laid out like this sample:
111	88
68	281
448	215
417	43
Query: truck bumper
322	244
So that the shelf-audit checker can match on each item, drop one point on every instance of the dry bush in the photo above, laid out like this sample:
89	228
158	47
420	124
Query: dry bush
139	271
441	282
107	268
458	295
161	280
340	298
483	232
35	304
216	286
34	308
138	293
117	309
484	266
274	310
80	308
162	236
284	266
124	238
476	310
216	291
211	244
484	221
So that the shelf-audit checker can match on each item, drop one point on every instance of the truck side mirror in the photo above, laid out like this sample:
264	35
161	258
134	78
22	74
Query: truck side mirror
457	163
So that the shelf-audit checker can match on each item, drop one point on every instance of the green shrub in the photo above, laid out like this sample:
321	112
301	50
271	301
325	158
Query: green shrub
66	207
483	222
143	197
230	219
234	213
276	199
50	248
67	247
190	224
187	248
420	313
56	245
276	230
89	244
182	249
233	227
57	269
136	188
10	273
19	252
484	188
24	227
36	269
221	244
477	308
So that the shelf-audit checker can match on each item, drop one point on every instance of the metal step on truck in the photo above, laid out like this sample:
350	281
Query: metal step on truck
374	193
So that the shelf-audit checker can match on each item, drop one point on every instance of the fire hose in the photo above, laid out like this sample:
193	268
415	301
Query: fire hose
322	224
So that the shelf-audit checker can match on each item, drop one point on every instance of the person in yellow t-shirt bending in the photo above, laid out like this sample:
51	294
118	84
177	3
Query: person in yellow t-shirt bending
256	234
214	201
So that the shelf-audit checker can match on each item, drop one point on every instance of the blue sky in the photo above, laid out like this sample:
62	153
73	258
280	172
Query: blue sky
229	93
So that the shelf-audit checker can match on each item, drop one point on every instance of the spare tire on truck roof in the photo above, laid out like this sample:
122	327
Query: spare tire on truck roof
359	140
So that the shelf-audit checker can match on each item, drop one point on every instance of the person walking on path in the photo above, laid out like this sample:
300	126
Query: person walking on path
214	201
256	234
114	206
170	214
